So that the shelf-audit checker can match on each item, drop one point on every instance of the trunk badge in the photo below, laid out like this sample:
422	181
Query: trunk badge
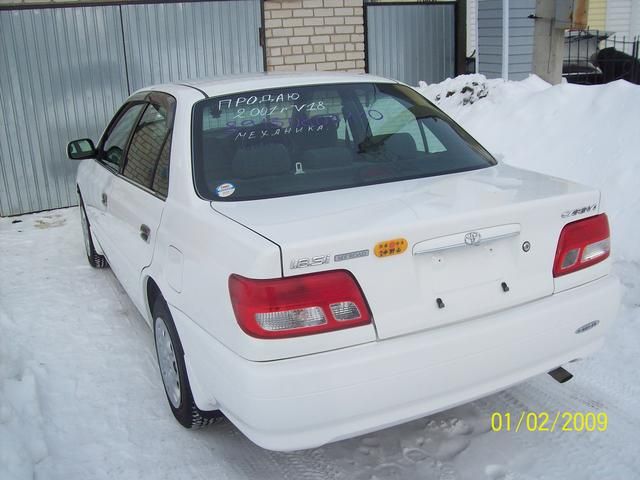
310	261
579	211
473	238
350	255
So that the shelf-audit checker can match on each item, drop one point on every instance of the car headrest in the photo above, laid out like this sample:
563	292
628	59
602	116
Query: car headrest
261	160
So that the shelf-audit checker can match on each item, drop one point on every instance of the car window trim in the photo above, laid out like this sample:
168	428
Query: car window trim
132	182
142	187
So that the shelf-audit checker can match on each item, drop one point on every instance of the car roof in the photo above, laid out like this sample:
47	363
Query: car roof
228	84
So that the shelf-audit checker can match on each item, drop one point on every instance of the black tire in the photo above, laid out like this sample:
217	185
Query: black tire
95	259
184	409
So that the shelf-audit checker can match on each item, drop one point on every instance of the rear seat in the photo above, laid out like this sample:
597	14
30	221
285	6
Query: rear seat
231	157
327	157
217	153
321	149
261	160
221	147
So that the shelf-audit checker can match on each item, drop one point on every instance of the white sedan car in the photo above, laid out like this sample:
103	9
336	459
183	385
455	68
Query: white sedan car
321	256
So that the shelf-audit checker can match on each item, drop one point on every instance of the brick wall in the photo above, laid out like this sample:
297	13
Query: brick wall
314	35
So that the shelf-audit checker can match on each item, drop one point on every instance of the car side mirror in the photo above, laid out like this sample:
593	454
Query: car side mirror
81	149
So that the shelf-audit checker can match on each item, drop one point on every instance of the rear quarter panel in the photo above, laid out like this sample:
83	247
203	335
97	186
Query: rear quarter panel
204	247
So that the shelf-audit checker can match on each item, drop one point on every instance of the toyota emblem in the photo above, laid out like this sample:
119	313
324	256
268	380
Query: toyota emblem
472	238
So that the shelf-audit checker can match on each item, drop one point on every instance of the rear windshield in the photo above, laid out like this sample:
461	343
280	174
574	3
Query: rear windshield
296	140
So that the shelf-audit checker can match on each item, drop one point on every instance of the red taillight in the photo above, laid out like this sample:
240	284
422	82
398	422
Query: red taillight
301	305
582	244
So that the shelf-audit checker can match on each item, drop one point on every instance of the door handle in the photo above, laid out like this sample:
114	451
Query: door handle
104	199
145	232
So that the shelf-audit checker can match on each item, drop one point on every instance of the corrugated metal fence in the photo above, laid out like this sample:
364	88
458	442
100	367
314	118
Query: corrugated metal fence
56	83
172	41
65	71
411	42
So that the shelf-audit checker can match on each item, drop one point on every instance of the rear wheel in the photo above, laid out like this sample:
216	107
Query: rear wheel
95	259
174	373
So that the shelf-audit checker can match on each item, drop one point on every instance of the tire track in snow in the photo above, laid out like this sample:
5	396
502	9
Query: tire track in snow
561	454
254	462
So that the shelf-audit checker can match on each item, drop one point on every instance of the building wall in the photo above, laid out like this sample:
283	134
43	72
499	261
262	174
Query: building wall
597	14
634	27
521	38
491	47
314	35
490	38
623	18
618	17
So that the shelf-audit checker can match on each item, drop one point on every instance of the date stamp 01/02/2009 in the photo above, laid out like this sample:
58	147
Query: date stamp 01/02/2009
549	422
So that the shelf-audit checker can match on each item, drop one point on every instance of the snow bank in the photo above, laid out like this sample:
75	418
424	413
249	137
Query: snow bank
589	134
22	443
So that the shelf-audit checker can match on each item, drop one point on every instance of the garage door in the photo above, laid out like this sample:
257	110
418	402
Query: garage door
64	72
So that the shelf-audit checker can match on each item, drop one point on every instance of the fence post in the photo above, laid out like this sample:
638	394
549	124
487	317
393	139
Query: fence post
636	59
460	27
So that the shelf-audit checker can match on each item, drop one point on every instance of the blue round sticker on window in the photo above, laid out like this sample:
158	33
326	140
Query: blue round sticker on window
225	189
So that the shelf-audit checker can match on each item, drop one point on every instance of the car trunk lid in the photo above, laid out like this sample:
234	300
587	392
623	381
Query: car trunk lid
476	242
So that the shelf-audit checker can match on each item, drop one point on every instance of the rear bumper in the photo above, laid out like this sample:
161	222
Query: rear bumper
307	401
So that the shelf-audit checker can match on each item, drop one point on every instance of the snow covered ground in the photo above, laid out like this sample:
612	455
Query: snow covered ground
81	397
